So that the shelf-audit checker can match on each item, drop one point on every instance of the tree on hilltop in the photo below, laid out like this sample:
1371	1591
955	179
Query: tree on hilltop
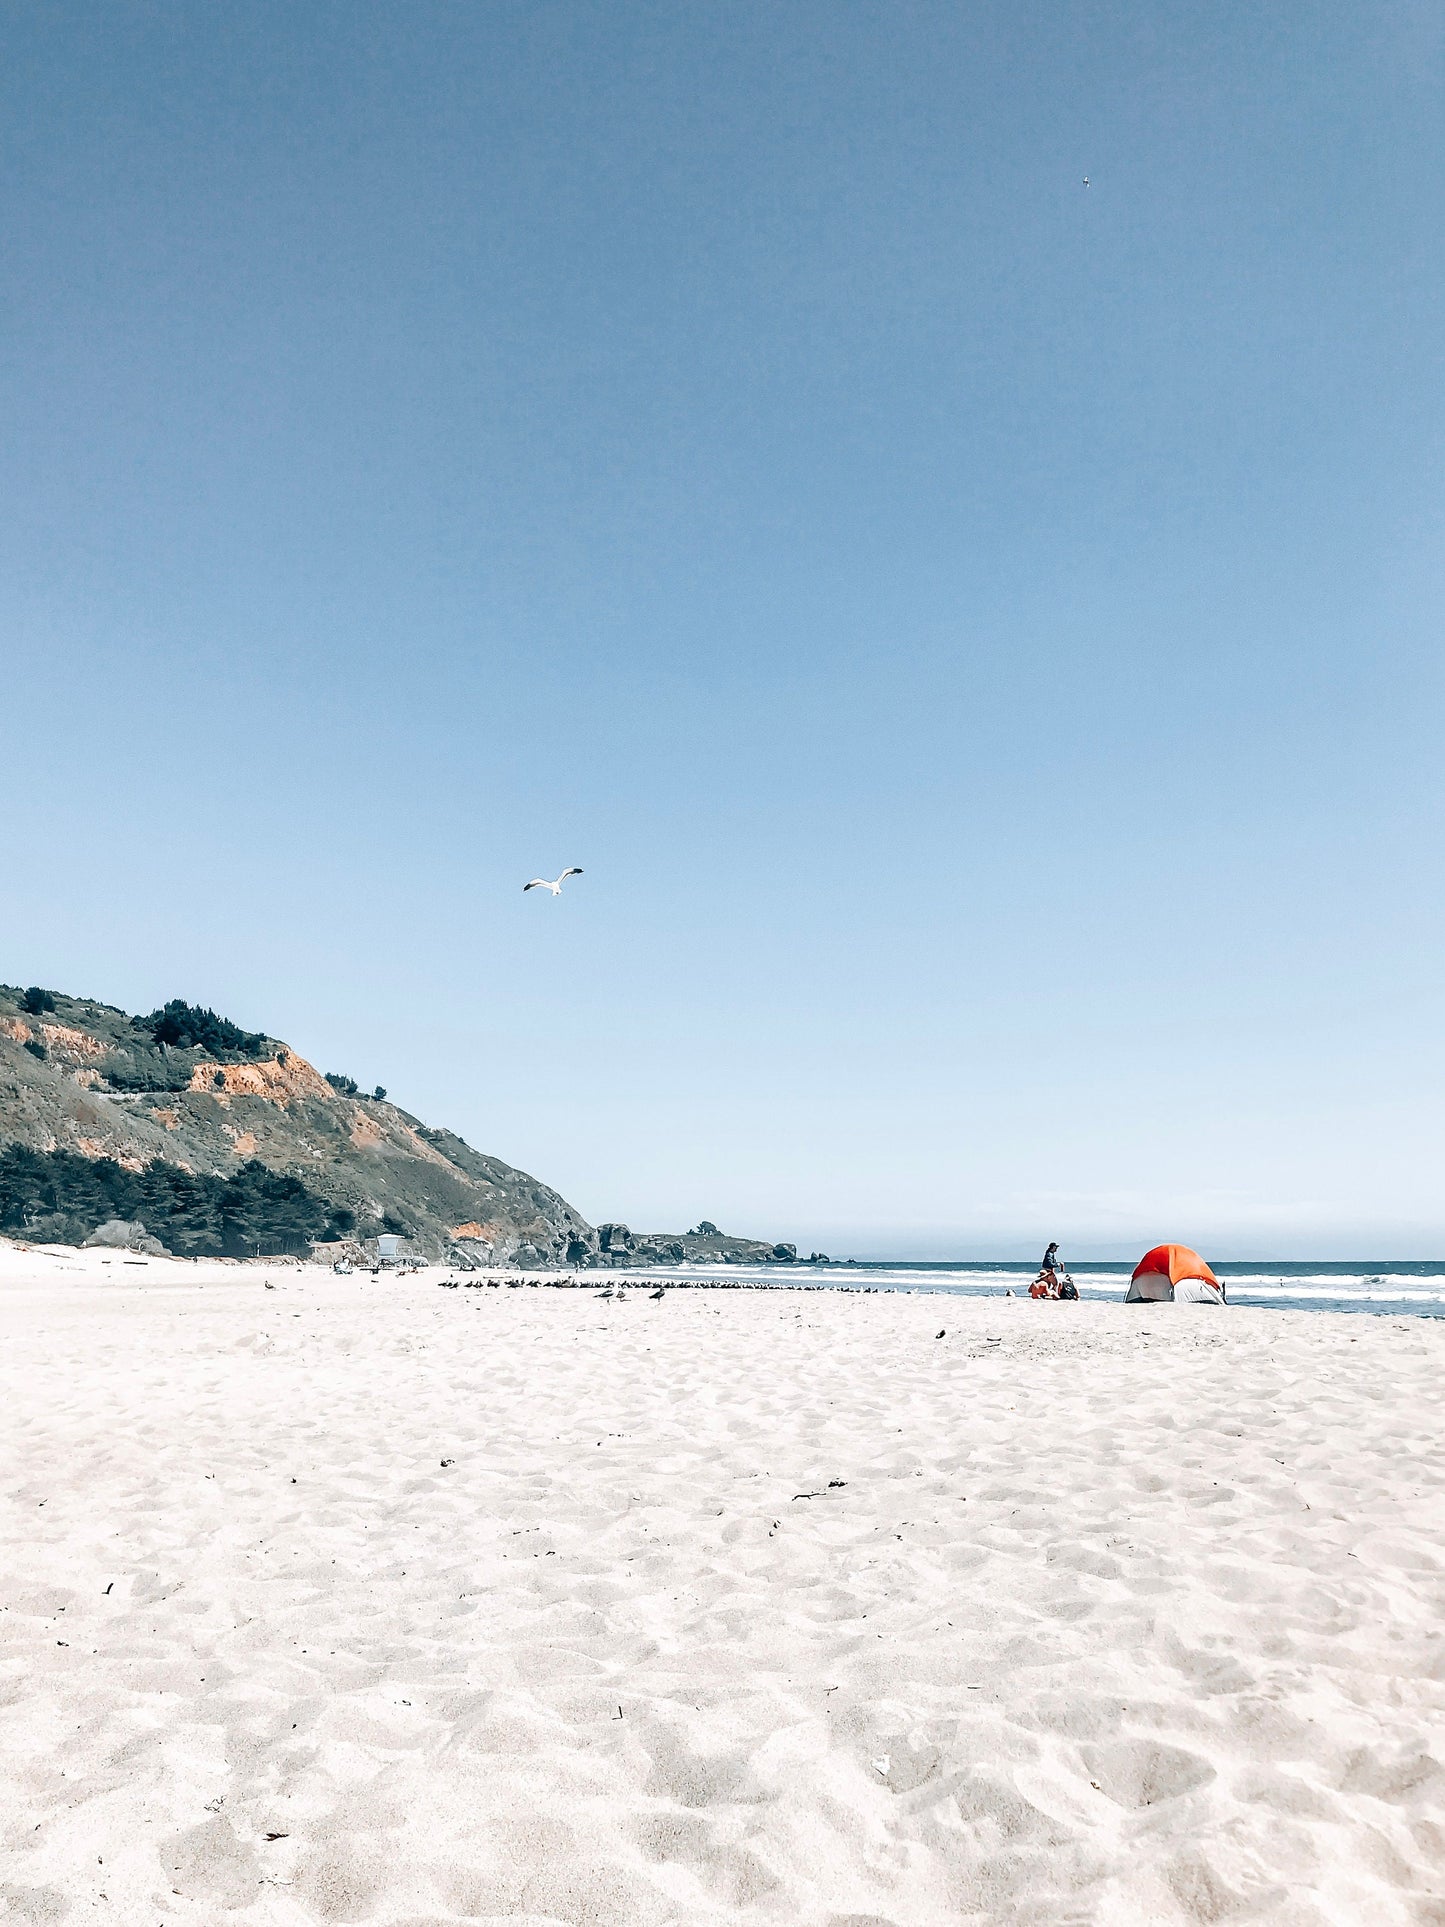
186	1026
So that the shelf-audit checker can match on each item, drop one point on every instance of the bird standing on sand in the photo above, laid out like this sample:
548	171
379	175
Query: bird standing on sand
541	883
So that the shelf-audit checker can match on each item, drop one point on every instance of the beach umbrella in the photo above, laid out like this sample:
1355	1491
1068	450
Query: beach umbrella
1176	1273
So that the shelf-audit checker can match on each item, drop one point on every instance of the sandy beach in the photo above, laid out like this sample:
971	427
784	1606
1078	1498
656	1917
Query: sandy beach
355	1600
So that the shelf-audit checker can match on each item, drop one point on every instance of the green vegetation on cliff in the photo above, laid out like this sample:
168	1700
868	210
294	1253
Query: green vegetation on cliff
219	1138
184	1026
55	1197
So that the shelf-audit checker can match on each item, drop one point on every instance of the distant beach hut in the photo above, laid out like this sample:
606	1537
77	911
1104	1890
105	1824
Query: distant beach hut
1174	1273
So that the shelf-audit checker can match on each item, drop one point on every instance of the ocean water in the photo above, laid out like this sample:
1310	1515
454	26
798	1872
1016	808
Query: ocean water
1384	1286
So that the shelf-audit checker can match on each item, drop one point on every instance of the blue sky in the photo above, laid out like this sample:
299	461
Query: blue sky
979	633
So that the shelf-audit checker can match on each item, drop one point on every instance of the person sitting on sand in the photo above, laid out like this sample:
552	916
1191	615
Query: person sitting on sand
1046	1285
1067	1287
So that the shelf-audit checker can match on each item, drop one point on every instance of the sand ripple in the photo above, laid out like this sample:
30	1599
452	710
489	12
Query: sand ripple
361	1602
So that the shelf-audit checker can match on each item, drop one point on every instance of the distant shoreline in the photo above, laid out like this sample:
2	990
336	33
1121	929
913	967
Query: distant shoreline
1386	1288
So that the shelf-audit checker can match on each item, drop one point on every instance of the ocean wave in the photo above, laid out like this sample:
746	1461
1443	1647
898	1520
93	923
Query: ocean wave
1379	1288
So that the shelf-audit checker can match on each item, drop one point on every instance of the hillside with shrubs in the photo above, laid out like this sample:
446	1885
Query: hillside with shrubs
225	1141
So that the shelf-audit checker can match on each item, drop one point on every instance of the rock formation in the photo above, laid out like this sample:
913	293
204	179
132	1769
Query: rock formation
706	1245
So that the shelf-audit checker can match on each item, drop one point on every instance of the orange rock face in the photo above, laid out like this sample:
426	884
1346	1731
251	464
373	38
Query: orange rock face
63	1041
273	1080
91	1147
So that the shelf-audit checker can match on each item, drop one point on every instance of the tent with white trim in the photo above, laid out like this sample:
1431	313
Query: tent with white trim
1175	1274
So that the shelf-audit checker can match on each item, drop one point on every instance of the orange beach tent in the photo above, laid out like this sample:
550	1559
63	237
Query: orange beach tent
1174	1272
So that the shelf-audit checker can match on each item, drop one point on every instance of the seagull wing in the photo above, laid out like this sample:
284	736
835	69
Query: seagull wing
573	872
537	883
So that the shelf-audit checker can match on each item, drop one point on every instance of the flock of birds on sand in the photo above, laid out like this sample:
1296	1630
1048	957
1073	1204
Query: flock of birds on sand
617	1291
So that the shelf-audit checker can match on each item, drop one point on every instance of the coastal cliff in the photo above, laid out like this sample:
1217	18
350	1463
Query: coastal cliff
181	1099
226	1142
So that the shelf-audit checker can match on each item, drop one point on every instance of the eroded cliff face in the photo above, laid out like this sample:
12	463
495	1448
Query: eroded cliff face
88	1078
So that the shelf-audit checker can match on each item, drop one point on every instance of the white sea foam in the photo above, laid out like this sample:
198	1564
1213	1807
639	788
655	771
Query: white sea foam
1380	1287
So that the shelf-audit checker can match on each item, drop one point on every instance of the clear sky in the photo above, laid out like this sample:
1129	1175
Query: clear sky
980	634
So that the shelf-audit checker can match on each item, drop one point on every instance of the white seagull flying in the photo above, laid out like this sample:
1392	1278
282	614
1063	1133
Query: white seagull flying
541	883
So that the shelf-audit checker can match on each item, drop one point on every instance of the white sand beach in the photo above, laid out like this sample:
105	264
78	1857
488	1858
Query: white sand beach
355	1600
